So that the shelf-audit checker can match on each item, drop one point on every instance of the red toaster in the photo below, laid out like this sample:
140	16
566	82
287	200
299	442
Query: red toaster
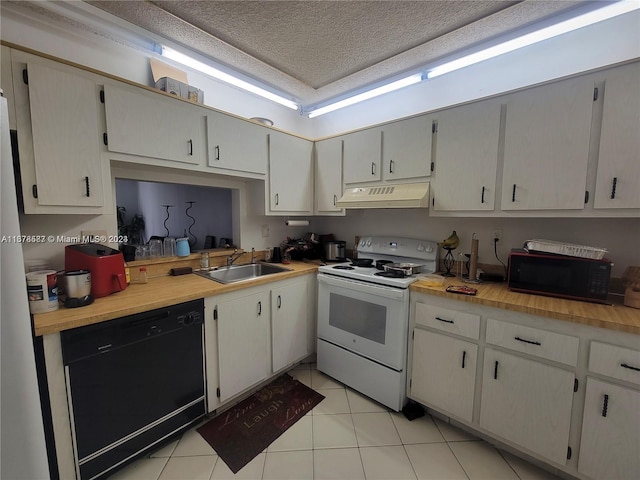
105	264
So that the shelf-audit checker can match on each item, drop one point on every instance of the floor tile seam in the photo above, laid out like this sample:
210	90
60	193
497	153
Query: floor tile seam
413	468
458	460
500	452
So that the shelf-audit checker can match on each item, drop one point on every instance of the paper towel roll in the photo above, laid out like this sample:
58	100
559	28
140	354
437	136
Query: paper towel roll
296	223
42	290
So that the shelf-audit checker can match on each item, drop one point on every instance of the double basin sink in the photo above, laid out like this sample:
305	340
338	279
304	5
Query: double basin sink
241	273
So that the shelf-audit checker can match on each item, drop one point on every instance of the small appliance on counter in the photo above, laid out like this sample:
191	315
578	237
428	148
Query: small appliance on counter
76	288
555	275
334	251
105	264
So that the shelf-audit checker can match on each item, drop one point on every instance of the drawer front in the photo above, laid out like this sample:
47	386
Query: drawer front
541	343
452	321
616	362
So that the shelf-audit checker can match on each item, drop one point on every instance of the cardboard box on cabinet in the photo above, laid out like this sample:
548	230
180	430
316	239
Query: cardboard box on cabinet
181	89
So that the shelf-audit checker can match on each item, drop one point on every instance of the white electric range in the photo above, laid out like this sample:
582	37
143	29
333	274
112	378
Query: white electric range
363	317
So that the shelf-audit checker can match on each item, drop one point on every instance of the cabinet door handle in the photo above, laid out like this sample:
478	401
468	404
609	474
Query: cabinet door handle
190	147
277	198
390	166
335	200
86	187
373	168
464	357
279	302
605	405
530	342
482	196
625	365
513	193
259	308
495	371
217	152
614	184
444	320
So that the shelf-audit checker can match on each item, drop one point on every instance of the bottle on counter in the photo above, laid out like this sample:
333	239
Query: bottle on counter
142	276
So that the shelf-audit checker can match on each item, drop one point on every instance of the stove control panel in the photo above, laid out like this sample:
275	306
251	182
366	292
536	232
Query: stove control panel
398	246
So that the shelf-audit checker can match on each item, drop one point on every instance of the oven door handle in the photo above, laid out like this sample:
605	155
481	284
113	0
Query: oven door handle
362	287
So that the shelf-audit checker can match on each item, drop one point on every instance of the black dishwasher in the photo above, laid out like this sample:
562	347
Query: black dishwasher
133	382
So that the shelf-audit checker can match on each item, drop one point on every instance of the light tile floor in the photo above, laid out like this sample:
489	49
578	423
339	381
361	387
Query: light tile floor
346	437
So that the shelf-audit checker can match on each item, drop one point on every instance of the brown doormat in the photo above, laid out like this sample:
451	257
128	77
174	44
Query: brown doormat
241	433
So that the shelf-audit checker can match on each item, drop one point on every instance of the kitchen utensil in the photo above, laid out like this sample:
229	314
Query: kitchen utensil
155	248
182	247
334	251
77	288
143	252
169	245
362	262
407	267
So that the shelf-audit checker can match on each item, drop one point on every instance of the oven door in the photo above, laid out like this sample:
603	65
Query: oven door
368	319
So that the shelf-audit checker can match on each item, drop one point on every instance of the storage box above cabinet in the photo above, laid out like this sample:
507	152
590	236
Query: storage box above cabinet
236	145
148	124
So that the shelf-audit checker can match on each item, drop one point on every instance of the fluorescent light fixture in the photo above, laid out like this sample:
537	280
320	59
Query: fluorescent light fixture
586	19
225	77
389	87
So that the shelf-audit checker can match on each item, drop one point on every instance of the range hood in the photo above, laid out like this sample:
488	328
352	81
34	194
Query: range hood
405	195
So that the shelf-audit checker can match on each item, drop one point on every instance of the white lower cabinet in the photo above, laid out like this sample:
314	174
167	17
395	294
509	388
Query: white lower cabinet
289	324
244	350
528	403
254	333
444	372
610	443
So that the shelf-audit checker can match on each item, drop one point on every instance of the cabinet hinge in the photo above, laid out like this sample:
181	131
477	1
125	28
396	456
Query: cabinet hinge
215	313
101	96
586	196
433	166
34	191
568	453
105	139
218	392
595	94
25	76
575	384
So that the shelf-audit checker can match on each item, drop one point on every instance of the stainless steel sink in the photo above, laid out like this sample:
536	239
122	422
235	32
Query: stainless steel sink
241	273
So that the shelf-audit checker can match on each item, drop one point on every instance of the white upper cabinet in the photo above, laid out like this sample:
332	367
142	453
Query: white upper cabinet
546	149
466	157
58	119
290	175
236	145
148	124
406	148
618	177
363	156
328	177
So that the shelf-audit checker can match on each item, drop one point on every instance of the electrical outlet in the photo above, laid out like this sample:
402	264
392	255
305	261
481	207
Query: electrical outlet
497	236
265	231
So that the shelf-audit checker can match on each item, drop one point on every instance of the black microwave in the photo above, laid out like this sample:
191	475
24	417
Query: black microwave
559	276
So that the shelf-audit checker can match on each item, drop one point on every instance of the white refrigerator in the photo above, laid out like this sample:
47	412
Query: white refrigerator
22	443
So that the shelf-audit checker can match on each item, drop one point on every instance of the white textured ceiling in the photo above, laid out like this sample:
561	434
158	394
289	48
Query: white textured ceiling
315	50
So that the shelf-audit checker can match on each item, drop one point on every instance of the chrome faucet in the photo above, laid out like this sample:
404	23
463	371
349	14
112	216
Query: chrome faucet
234	256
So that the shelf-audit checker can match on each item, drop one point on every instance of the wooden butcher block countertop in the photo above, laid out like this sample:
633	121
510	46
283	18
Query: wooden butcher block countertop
159	292
615	317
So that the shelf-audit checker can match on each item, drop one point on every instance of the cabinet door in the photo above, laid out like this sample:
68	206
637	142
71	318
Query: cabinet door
236	145
547	146
151	125
618	177
243	343
610	443
290	174
289	324
328	177
443	373
363	156
528	403
66	137
466	157
406	148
